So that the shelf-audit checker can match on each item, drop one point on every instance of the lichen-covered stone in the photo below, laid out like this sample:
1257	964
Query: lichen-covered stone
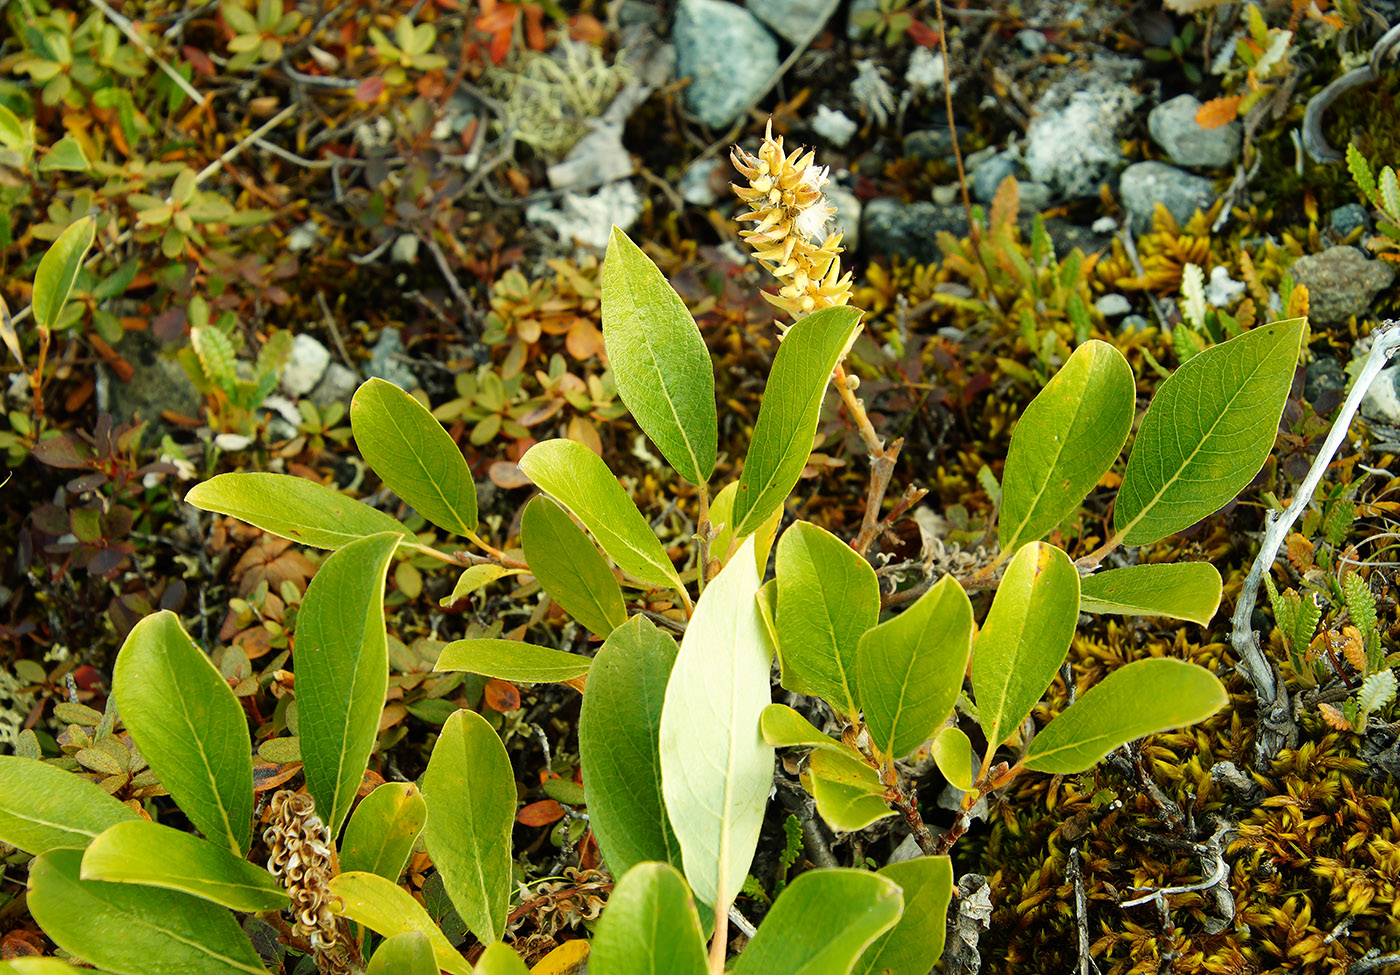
1341	282
1143	185
1173	126
728	56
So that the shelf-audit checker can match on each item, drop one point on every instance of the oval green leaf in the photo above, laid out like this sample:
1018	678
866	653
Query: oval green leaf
410	953
190	728
783	727
787	417
822	923
650	926
58	270
910	669
1180	590
383	829
43	966
1207	433
619	746
828	598
716	770
722	518
469	777
1066	439
916	941
473	579
1025	638
293	507
570	568
414	455
341	656
578	478
500	959
1140	698
131	930
44	807
847	790
387	909
158	856
953	754
659	360
512	660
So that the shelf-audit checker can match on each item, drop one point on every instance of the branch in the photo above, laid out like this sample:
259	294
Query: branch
1278	727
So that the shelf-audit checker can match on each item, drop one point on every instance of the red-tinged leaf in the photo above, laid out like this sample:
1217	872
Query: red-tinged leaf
268	777
370	90
199	60
922	34
540	813
534	28
169	325
63	451
1218	112
501	695
507	476
1334	717
587	28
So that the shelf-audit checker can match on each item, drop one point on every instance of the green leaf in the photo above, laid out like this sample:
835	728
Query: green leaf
43	966
500	959
650	926
1207	433
293	507
782	727
414	455
341	657
952	753
579	478
659	360
387	909
822	922
827	598
911	668
382	830
131	930
911	945
410	953
44	807
787	417
716	770
65	154
847	790
58	269
722	516
469	777
619	746
473	579
1024	639
1066	439
512	660
1180	590
190	728
570	568
1361	173
157	856
1140	698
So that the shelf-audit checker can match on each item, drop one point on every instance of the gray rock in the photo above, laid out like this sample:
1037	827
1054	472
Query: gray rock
1072	143
932	145
158	384
697	182
1035	197
893	228
1132	323
1349	218
792	19
386	360
1032	41
847	216
988	176
1341	282
1145	184
1381	404
336	386
727	55
1113	305
1173	126
1324	376
306	365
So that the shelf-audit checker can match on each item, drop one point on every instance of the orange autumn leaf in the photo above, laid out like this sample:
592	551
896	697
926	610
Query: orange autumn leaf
1218	112
501	695
540	813
1334	717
